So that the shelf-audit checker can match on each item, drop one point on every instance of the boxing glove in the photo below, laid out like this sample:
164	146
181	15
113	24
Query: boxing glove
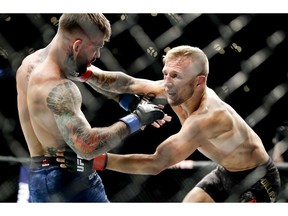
144	114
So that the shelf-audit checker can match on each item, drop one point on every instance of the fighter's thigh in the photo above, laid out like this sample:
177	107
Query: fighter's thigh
197	195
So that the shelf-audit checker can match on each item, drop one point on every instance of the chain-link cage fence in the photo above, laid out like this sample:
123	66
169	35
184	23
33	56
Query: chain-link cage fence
248	69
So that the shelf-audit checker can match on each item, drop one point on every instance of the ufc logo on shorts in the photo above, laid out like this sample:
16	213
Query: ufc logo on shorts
80	164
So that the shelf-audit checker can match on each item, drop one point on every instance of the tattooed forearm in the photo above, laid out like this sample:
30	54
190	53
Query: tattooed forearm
80	136
120	83
110	137
111	82
94	141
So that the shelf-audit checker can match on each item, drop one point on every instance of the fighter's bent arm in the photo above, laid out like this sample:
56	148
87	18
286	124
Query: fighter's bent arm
64	100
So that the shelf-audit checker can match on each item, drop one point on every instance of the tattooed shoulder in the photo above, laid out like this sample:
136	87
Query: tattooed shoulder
63	97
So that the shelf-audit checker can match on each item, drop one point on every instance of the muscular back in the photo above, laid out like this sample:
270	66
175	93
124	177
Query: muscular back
36	77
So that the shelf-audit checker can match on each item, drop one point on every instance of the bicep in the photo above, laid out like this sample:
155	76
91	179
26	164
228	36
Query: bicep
147	87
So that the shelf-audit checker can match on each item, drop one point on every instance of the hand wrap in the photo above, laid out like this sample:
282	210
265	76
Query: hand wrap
100	162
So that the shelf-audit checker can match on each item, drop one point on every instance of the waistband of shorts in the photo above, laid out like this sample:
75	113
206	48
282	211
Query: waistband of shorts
267	165
41	162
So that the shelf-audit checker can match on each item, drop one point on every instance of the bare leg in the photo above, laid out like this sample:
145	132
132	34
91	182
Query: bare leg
197	195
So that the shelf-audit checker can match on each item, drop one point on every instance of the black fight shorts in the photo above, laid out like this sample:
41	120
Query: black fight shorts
260	184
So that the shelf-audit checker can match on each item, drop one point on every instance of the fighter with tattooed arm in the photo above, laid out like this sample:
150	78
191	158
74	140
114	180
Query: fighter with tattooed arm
49	107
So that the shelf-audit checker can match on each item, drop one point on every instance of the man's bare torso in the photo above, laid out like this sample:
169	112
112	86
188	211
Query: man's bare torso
223	136
35	79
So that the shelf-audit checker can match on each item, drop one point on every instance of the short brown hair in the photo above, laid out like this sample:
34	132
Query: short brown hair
85	23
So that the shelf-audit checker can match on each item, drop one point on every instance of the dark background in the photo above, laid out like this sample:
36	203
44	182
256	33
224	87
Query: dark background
257	50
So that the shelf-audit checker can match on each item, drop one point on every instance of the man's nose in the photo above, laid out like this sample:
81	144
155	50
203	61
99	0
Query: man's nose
167	78
167	83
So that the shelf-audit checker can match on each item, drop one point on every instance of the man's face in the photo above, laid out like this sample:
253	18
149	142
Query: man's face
178	80
89	51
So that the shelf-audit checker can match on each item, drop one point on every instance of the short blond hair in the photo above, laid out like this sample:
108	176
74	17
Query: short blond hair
195	53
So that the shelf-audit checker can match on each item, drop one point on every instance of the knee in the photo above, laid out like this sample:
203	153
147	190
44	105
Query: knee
197	195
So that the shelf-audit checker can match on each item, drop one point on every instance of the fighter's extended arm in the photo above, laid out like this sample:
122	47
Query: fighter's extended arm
119	83
171	151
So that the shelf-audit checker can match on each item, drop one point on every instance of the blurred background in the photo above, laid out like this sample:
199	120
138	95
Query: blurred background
248	69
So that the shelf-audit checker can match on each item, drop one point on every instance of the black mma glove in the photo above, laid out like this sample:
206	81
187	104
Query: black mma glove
144	114
75	163
129	102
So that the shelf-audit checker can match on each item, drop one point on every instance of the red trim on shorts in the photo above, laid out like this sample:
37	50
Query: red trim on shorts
252	201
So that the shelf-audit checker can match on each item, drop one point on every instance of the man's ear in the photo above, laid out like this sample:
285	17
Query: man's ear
200	81
76	45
